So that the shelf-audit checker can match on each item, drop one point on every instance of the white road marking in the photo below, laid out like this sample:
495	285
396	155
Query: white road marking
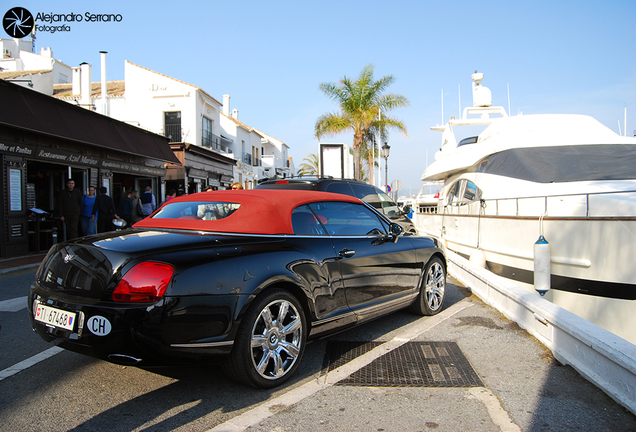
261	412
24	364
497	414
13	305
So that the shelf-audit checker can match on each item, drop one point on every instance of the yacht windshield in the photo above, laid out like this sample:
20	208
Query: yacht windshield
564	163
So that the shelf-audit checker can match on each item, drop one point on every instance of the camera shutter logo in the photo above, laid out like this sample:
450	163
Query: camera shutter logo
18	22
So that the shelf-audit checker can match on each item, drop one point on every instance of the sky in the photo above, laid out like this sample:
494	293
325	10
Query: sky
538	57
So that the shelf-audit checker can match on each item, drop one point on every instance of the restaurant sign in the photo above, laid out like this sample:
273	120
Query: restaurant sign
65	157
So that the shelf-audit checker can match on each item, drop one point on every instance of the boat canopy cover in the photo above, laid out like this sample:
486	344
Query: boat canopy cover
564	163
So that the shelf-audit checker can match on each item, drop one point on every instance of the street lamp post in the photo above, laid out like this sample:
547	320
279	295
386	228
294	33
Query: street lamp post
386	148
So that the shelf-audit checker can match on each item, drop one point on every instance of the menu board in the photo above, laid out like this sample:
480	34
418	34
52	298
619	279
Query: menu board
15	190
30	195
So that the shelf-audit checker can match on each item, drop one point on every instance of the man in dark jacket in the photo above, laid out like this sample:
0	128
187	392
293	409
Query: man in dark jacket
70	209
105	209
126	208
148	203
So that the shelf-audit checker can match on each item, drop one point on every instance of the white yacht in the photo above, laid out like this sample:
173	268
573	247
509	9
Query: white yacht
567	178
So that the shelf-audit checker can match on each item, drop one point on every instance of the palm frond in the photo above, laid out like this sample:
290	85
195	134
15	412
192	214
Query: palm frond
360	101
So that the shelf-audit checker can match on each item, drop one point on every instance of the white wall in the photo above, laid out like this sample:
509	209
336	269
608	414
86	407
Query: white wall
239	133
150	94
24	60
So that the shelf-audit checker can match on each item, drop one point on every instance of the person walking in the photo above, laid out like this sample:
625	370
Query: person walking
87	225
137	214
70	209
126	208
104	207
148	203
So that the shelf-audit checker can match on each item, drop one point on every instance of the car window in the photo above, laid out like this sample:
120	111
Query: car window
348	219
286	184
196	210
304	222
367	194
339	187
388	205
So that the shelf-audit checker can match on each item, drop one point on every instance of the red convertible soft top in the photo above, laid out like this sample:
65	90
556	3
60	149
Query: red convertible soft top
260	211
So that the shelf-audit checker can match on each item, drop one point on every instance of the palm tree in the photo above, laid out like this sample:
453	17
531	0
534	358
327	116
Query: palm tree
361	102
309	165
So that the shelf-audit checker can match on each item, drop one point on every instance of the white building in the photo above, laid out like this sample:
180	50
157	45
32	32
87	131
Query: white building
215	148
37	71
258	155
275	159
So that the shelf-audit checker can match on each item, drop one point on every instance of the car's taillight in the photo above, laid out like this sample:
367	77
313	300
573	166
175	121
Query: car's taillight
282	182
145	282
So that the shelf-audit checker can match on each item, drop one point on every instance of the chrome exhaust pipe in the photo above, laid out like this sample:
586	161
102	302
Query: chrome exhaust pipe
124	359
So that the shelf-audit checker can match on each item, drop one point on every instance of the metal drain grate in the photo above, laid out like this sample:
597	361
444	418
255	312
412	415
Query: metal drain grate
414	364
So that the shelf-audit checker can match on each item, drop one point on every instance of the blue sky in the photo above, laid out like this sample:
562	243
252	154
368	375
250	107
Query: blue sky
270	56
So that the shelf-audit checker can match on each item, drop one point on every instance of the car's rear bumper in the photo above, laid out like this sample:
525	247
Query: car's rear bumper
171	330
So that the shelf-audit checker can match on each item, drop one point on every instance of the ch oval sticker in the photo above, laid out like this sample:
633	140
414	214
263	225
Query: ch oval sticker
98	325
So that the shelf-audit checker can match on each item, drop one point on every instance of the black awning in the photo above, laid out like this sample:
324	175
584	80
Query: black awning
27	109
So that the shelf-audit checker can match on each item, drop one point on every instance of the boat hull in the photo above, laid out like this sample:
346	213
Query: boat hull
590	271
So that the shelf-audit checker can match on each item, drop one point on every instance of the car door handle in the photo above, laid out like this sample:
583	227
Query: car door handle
346	253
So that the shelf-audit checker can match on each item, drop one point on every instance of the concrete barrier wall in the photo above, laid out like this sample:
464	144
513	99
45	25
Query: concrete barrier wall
603	358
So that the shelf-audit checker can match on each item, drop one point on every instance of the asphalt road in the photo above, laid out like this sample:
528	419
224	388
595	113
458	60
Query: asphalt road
522	386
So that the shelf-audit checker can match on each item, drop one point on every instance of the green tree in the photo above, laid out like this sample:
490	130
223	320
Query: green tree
309	166
361	102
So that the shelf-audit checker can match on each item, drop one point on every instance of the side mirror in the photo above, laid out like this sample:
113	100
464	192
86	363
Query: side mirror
396	231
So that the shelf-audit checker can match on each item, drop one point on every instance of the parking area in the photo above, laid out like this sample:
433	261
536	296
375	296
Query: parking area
468	368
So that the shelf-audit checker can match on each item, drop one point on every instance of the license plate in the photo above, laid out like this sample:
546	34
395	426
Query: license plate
54	317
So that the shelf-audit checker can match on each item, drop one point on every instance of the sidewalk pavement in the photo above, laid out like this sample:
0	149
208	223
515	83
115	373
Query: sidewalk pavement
415	378
31	261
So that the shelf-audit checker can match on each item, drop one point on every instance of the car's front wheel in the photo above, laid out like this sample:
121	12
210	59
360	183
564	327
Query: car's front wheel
270	342
432	290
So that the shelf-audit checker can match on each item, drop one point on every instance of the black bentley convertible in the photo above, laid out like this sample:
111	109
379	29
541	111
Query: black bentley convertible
249	275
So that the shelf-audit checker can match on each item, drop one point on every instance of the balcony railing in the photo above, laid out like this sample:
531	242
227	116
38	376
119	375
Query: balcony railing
213	142
210	141
173	132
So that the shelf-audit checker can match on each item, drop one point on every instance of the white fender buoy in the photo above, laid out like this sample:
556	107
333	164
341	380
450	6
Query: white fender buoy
542	269
478	258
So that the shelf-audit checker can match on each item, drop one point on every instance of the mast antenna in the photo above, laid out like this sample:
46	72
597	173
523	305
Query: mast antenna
509	113
442	106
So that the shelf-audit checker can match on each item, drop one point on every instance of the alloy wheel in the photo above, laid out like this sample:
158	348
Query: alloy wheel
435	285
276	339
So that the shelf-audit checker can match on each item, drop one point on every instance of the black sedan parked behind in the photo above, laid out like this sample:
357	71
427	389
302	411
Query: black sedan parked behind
366	192
250	275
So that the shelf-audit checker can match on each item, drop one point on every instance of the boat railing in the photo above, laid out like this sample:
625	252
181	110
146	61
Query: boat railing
592	204
618	204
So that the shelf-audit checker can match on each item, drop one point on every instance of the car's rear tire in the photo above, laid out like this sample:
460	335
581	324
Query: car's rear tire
432	289
270	341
